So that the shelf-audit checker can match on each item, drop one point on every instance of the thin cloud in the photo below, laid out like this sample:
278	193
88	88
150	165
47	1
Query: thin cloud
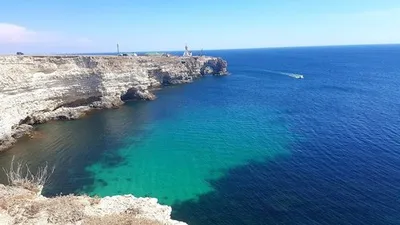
16	34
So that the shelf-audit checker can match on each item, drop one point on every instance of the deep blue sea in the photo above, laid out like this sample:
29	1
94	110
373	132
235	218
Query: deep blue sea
256	147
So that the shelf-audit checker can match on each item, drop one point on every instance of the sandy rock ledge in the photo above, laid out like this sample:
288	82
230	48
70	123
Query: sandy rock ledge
22	206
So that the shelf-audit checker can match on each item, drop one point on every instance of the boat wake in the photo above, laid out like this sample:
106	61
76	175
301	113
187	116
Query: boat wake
293	75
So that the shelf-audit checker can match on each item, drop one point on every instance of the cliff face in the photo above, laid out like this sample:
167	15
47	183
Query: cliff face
34	89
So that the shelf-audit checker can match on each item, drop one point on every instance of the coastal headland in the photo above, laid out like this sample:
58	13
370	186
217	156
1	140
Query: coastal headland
36	89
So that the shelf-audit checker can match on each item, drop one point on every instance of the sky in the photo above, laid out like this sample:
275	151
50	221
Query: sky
72	26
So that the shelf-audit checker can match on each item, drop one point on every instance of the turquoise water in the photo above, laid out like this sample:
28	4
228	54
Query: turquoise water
256	147
178	153
170	148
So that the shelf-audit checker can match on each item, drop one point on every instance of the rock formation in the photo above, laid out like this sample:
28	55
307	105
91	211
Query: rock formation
22	206
35	89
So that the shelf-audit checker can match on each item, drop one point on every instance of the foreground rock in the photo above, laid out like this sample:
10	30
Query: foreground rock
22	206
35	89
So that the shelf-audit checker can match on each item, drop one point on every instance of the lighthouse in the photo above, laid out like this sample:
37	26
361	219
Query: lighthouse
187	53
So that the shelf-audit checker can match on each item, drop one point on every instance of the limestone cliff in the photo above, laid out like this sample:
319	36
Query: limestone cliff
22	206
34	89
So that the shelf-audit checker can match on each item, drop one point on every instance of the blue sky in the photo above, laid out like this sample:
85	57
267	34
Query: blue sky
41	26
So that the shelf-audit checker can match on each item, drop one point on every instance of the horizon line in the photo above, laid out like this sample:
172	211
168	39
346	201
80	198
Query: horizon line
249	48
220	49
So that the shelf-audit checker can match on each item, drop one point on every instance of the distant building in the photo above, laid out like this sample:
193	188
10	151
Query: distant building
187	53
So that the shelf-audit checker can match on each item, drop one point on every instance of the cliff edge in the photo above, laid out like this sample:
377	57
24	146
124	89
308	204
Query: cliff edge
22	206
35	89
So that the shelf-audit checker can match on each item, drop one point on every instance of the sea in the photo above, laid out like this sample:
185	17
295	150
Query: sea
259	146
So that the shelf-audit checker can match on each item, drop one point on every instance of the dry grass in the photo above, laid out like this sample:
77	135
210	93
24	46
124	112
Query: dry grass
26	208
20	175
32	210
129	217
64	209
21	207
95	200
121	219
57	210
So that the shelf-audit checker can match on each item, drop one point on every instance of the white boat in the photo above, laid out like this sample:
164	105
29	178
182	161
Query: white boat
297	76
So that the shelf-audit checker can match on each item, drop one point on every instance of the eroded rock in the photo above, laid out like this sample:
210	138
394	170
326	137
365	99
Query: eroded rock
36	89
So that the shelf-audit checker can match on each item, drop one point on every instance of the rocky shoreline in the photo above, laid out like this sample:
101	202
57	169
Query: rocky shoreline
36	89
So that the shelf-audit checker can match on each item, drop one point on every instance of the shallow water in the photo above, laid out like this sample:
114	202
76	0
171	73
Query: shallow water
256	147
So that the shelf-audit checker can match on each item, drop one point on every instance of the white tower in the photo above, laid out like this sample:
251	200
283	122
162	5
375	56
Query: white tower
187	53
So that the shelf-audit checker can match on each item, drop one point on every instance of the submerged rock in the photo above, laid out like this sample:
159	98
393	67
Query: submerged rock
18	131
6	142
21	130
63	113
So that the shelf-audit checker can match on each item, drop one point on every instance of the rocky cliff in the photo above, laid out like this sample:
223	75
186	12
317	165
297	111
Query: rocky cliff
22	206
35	89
